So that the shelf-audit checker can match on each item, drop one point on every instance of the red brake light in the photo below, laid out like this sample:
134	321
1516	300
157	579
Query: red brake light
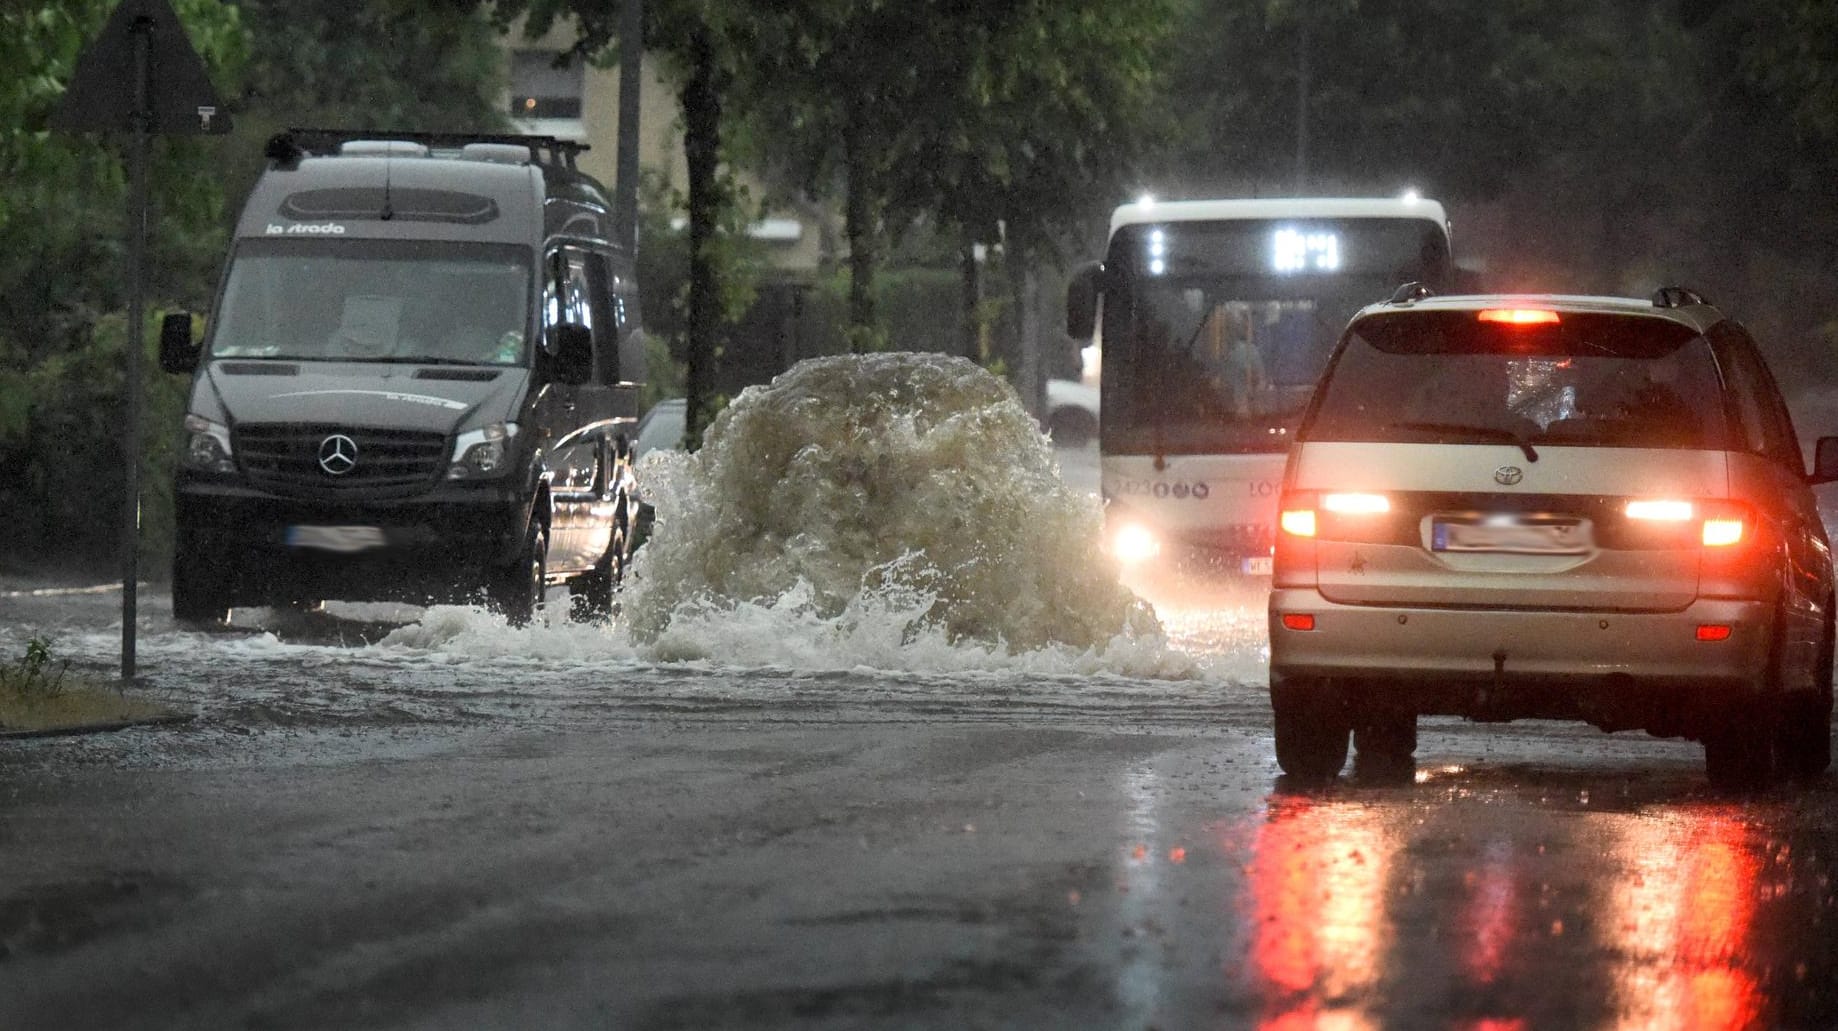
1519	316
1726	523
1722	531
1298	621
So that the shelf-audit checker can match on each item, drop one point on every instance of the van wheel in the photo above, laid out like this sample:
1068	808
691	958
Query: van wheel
197	592
1385	746
590	597
1311	728
1803	731
516	590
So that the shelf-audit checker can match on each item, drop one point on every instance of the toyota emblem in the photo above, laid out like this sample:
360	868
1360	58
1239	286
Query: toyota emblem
1505	475
338	455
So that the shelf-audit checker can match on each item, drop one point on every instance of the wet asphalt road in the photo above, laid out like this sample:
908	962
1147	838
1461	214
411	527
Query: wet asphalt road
687	848
457	835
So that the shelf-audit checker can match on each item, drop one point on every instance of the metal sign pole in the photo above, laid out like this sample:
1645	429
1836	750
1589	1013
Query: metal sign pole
142	33
168	92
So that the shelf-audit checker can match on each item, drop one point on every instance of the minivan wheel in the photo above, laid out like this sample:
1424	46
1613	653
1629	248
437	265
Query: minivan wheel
197	594
1803	731
1739	750
1311	728
516	590
1385	744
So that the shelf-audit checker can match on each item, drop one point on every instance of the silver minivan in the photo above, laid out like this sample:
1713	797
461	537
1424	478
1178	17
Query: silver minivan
1553	507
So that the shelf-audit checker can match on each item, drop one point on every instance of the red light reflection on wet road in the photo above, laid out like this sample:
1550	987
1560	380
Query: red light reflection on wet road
1317	881
1686	911
1646	921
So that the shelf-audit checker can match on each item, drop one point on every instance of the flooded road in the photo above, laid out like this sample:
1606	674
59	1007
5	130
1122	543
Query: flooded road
468	826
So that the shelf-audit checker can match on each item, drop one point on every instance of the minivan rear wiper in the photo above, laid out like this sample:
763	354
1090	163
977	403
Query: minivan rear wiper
1494	433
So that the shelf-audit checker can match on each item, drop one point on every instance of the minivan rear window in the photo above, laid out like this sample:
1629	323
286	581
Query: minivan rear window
1588	379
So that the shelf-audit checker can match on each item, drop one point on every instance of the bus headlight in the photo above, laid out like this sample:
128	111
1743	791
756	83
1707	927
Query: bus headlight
1133	543
482	453
207	446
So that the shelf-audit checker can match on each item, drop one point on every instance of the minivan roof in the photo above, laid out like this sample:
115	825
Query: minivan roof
1699	317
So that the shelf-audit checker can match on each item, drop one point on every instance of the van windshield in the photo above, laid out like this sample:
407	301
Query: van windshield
1591	380
427	302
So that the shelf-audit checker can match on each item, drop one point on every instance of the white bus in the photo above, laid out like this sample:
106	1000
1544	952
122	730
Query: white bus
1214	318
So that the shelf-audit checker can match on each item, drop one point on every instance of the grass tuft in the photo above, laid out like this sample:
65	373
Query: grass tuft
38	693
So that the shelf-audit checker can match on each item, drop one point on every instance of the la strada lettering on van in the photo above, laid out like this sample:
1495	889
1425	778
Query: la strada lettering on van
391	395
306	229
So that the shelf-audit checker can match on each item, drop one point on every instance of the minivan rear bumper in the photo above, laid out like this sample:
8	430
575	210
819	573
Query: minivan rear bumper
436	547
1448	660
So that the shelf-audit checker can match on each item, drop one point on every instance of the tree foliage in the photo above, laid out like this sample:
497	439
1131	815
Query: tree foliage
62	218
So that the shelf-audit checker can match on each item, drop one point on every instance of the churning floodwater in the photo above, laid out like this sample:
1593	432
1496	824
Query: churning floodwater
866	535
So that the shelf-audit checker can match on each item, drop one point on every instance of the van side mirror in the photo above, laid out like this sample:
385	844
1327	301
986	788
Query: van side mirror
178	352
1825	461
1082	300
574	353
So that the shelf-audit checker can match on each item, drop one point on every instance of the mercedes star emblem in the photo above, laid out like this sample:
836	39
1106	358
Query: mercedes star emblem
1505	475
338	455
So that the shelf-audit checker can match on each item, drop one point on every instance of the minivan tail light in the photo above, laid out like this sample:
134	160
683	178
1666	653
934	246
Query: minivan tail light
1726	523
1519	316
1722	531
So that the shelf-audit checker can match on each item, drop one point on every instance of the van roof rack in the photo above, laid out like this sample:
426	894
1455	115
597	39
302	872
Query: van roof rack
1412	291
1676	297
287	148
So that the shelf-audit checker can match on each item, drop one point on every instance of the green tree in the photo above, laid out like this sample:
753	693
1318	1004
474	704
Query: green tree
427	65
704	43
62	237
1022	115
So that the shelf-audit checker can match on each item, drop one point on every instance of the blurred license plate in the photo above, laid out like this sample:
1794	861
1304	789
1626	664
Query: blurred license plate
1257	565
1511	535
335	538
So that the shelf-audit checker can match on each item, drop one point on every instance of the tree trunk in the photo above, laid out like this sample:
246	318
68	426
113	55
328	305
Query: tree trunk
973	337
1026	375
859	216
701	99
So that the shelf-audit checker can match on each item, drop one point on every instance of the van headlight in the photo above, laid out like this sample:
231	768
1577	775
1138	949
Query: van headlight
207	446
482	453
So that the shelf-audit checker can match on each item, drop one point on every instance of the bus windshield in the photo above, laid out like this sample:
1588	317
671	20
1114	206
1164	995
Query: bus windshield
375	300
1216	331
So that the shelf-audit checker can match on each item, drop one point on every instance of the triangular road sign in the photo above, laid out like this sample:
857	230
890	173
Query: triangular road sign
101	95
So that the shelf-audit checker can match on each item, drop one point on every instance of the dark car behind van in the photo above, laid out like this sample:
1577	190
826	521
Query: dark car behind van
418	383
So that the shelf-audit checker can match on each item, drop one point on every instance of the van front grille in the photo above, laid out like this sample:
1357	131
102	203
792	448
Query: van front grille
325	461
